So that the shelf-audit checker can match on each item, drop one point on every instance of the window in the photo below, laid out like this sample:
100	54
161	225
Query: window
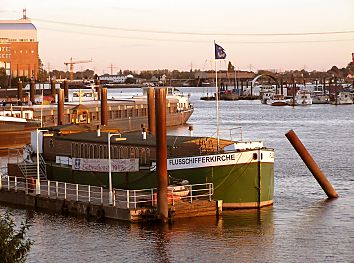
132	152
101	153
115	152
91	152
96	154
82	150
123	152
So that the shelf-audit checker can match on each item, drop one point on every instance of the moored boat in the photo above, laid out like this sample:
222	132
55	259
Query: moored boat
302	98
123	114
242	171
266	96
343	98
320	98
278	100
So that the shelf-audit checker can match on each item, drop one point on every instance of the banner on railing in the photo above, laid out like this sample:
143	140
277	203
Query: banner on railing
101	165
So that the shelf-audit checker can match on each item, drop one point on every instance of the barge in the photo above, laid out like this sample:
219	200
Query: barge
242	172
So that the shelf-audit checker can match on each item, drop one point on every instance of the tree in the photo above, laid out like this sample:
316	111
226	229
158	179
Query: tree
14	245
42	73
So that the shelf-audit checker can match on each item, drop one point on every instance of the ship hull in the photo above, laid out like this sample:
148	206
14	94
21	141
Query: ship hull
248	184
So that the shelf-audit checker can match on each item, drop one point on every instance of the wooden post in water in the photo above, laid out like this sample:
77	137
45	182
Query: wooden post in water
32	90
66	90
19	93
151	111
251	88
98	88
60	107
281	86
161	154
52	88
104	108
311	164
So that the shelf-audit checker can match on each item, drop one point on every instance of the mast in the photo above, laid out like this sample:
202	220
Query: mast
217	107
216	101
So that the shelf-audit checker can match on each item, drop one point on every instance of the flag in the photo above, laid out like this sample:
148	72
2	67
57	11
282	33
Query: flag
219	52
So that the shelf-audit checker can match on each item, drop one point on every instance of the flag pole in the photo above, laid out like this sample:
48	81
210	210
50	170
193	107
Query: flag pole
217	103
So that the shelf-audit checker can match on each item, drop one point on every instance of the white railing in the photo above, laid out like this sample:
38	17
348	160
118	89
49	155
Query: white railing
148	197
126	199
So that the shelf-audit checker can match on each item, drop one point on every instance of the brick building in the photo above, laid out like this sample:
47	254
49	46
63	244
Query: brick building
19	48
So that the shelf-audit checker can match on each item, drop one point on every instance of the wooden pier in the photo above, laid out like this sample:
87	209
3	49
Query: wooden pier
92	203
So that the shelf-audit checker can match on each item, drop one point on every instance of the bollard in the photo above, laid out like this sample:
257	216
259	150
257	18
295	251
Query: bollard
311	164
52	88
161	154
151	111
32	91
66	90
98	88
104	107
60	107
19	93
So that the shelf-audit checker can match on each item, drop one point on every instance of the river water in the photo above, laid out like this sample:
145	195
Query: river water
301	226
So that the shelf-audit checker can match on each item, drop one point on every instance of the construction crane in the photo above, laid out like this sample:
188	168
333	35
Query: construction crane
72	63
111	67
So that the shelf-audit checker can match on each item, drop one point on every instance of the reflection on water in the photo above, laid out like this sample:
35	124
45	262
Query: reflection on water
302	226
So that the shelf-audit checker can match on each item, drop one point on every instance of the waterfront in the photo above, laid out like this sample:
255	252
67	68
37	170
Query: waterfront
302	226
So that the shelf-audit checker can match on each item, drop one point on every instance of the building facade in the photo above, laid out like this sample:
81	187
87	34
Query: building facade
19	48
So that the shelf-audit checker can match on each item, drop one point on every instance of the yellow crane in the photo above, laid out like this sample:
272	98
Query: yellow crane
71	63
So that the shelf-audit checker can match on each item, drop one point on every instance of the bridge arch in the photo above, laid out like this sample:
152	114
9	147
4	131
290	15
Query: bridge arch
269	76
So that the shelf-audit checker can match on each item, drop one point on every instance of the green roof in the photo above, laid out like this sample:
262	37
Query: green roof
132	138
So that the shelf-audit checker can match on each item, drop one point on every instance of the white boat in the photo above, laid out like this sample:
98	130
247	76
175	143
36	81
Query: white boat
320	98
302	98
266	96
343	98
278	100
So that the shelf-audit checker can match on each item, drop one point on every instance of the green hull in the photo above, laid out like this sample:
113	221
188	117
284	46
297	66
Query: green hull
238	186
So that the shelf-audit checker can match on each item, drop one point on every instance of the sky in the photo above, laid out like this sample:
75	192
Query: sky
143	35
